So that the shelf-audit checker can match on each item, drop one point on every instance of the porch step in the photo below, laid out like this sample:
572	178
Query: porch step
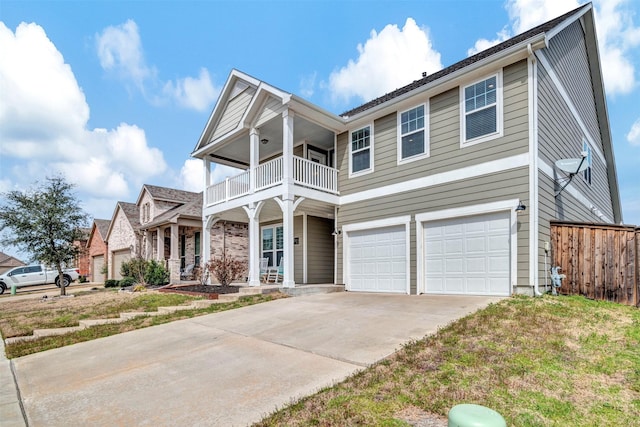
40	333
94	322
312	289
228	297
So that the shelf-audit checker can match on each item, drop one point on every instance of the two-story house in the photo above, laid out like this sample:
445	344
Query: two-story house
444	186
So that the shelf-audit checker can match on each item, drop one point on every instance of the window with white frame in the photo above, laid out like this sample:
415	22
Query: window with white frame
587	172
361	150
273	244
412	130
482	110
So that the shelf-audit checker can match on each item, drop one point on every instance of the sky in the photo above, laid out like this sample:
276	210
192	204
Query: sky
115	94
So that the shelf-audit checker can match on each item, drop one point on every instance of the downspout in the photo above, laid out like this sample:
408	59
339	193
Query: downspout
533	176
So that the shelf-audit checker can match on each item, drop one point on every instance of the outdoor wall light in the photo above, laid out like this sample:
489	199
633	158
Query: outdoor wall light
520	208
336	232
264	141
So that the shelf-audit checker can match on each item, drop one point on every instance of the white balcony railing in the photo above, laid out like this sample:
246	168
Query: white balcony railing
305	173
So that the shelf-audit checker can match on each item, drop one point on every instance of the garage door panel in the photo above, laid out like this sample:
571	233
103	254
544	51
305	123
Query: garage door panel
468	255
377	260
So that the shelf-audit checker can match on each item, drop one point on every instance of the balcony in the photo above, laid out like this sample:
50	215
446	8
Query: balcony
305	173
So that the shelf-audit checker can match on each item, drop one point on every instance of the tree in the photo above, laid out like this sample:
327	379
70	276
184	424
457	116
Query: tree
44	222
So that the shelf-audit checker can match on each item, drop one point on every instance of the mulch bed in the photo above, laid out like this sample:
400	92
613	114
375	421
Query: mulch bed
205	291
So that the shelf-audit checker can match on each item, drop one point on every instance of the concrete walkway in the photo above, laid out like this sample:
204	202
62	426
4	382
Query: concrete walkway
230	368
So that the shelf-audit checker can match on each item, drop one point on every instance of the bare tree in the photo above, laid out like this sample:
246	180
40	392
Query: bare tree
44	222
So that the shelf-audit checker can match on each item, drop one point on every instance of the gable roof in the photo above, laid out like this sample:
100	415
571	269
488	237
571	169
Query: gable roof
191	210
131	212
99	227
9	261
536	31
167	194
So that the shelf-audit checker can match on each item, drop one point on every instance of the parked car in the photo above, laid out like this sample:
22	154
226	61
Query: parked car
31	275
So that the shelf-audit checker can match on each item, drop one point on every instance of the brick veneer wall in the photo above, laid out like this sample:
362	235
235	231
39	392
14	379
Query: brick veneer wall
96	247
232	236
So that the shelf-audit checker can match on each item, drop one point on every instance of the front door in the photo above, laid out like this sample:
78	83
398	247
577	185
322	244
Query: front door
317	156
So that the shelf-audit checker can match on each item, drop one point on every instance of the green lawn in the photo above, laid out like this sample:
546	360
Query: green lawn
552	361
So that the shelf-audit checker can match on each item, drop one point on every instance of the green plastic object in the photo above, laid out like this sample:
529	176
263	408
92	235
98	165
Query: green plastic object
13	289
472	415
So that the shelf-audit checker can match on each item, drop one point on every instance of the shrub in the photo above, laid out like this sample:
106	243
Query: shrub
127	281
145	272
139	288
111	283
226	269
82	279
156	274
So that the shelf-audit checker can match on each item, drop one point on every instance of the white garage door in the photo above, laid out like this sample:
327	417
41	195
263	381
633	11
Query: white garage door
97	264
377	260
118	258
469	255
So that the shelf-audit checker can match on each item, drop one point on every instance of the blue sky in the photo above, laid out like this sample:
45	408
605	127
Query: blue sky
116	94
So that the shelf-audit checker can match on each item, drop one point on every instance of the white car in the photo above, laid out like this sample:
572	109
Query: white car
31	275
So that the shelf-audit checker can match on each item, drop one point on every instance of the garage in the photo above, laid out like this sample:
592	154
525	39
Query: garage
97	264
377	260
118	258
468	255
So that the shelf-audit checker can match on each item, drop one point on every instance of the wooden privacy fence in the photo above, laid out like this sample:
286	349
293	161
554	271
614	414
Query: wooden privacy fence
599	260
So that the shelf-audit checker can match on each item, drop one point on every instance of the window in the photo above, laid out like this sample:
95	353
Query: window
412	134
273	244
361	150
183	250
587	172
482	110
146	212
197	248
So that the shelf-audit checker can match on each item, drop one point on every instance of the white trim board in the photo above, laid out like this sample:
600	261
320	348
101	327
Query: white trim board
473	171
485	208
574	112
381	223
547	169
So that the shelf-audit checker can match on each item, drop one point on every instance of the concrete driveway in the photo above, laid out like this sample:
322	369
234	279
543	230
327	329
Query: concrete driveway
230	368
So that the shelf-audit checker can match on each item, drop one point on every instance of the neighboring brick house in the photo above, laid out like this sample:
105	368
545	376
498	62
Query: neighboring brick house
82	259
123	237
97	249
7	262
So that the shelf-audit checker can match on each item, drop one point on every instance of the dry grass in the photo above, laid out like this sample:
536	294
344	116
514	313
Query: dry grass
539	362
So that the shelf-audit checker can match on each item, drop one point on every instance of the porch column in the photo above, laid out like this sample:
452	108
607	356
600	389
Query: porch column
287	151
287	225
254	157
206	239
160	244
148	245
207	180
174	257
253	212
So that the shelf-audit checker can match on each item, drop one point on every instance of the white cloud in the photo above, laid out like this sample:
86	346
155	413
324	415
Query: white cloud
194	93
483	44
617	35
192	175
308	84
386	61
634	133
120	51
43	126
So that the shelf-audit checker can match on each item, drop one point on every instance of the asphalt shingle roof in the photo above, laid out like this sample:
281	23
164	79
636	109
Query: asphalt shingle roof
170	194
543	28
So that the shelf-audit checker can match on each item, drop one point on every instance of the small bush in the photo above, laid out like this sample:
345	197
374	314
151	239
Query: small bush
145	272
127	281
139	288
226	269
82	279
111	283
156	274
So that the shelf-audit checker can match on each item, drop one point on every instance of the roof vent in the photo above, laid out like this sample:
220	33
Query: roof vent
424	74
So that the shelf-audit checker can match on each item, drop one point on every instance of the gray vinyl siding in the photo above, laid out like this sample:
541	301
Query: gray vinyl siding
320	250
567	54
233	112
298	250
485	189
271	108
560	137
443	138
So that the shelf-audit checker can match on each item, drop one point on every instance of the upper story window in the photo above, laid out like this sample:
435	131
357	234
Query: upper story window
587	172
481	110
412	134
146	212
361	149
